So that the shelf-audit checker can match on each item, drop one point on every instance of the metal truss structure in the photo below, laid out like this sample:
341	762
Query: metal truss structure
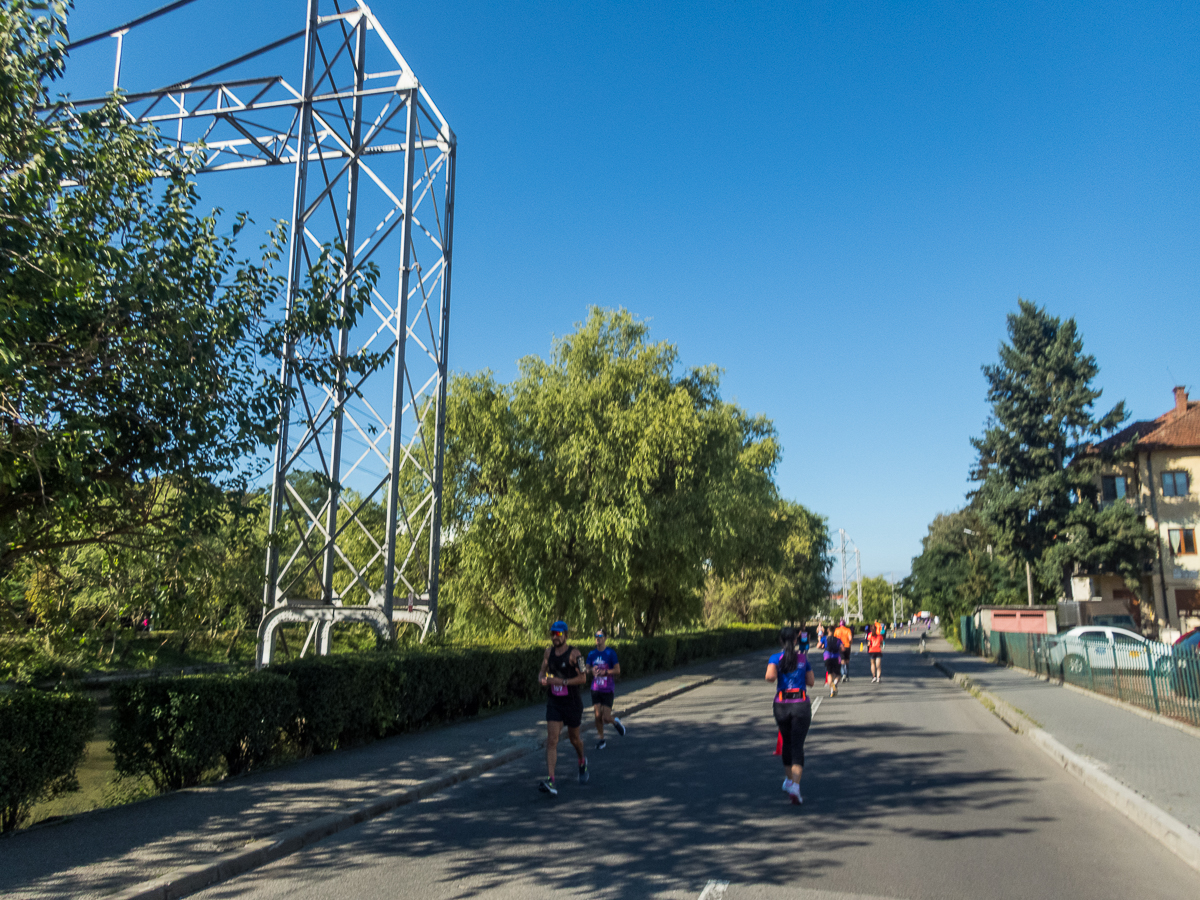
848	547
356	501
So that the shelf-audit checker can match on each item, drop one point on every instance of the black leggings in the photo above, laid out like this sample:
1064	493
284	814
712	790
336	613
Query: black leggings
793	720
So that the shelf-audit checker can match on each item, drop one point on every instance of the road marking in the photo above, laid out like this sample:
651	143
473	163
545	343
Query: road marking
816	705
714	890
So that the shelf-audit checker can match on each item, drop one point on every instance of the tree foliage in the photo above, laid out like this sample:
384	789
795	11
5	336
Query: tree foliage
787	581
602	486
134	384
960	567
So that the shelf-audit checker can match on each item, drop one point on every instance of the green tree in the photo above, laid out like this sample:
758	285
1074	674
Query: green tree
960	567
1036	483
788	581
135	388
600	486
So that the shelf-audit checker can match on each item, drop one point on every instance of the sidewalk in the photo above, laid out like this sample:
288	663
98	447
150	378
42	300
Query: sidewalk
100	852
1155	760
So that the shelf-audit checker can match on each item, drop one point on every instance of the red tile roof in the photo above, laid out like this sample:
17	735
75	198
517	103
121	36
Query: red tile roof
1172	429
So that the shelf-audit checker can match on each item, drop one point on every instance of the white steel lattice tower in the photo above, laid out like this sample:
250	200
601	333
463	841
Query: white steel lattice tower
356	500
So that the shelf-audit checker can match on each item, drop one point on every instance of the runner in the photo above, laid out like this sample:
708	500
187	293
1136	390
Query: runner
793	712
563	671
875	651
833	661
602	665
846	636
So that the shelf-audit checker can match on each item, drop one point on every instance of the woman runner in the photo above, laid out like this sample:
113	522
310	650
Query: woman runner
875	651
793	712
833	661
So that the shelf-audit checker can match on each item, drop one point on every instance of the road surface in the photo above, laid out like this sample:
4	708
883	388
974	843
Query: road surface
912	789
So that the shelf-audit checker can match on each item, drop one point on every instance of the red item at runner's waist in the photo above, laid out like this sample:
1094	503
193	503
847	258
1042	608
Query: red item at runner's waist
791	696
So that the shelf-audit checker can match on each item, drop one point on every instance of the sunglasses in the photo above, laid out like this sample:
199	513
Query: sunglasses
557	633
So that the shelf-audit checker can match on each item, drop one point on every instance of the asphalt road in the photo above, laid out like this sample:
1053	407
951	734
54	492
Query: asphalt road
911	790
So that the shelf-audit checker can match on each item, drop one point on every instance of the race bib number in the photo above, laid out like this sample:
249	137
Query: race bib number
558	690
602	683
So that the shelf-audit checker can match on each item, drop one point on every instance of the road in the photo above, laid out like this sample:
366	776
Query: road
911	790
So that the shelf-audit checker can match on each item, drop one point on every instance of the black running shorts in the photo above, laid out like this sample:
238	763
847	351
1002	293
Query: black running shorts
604	698
568	710
833	666
875	654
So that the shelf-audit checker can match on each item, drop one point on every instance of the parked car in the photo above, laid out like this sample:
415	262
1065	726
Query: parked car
1181	663
1097	647
1189	640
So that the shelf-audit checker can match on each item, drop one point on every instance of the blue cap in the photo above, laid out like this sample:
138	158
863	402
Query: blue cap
560	625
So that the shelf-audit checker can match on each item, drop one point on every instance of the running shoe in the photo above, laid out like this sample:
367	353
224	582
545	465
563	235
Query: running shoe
583	772
546	786
794	792
787	785
600	745
620	728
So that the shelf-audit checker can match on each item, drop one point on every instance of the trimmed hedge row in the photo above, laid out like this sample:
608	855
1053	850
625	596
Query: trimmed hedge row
174	730
43	737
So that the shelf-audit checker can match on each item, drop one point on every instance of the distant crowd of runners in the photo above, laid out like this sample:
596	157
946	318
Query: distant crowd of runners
565	670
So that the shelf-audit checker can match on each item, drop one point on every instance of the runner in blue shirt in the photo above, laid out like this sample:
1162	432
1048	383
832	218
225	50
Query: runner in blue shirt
793	712
602	666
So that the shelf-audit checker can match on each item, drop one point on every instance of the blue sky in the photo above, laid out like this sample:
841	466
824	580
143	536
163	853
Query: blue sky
836	203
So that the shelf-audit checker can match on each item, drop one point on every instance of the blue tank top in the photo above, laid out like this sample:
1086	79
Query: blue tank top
788	683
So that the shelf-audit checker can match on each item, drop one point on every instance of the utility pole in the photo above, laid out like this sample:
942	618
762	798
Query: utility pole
848	546
845	596
858	576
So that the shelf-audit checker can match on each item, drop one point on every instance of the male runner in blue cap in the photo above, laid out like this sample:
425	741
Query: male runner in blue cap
563	671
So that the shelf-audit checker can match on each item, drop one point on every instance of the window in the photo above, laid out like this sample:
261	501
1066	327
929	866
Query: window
1119	638
1187	601
1182	540
1112	487
1098	636
1175	484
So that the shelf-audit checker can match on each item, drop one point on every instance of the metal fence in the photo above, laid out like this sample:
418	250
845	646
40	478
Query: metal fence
1152	675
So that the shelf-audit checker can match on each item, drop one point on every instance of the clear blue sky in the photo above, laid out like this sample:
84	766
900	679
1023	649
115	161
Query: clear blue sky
837	203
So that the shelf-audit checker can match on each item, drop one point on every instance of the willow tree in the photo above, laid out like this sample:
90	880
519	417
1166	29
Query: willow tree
599	486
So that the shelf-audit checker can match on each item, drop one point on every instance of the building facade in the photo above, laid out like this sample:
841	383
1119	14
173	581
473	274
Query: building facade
1162	481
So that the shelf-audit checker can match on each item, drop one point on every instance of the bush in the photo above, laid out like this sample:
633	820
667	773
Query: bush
173	730
43	737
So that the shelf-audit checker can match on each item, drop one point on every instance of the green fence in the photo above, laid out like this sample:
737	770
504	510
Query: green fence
1151	675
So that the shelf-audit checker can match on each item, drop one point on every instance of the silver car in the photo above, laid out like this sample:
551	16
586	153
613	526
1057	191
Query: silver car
1098	647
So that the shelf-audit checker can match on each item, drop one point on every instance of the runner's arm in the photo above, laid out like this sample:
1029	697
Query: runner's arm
581	668
542	671
772	673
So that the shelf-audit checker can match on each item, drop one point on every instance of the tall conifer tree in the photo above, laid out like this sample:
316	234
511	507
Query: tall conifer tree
1042	506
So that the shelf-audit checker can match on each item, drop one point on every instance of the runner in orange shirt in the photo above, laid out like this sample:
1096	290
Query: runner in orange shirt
846	636
875	651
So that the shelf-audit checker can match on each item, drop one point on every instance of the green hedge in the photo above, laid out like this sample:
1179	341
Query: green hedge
43	737
176	729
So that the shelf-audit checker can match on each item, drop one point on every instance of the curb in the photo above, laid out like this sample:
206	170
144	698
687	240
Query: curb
1160	825
191	879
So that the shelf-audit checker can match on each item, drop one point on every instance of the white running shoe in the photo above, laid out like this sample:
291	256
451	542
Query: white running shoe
787	785
794	792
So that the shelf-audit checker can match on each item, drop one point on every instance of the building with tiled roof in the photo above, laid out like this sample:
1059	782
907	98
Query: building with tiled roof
1163	481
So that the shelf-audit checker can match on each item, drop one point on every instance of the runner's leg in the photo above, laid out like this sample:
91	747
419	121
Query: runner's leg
553	730
598	710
